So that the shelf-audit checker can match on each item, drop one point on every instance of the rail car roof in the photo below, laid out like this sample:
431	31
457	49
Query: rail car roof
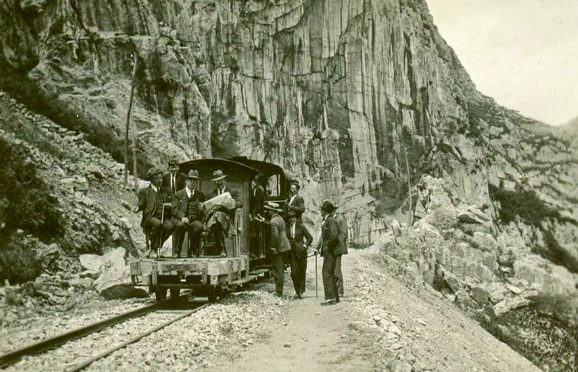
264	167
227	166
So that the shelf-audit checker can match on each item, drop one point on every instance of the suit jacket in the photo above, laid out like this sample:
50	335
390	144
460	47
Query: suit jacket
343	234
278	237
329	236
301	232
185	207
234	195
180	183
257	200
147	203
297	206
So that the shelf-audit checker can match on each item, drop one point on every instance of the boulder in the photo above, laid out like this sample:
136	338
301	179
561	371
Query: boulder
121	291
85	283
115	271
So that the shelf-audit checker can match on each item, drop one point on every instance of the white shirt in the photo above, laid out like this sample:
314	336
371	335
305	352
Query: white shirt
189	192
154	188
293	231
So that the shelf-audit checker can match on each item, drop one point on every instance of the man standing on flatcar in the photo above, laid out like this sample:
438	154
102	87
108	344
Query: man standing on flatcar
295	201
330	252
172	181
279	244
187	210
221	221
256	211
297	233
154	204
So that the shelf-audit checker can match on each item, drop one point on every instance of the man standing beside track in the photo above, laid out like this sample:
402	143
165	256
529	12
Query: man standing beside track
329	251
187	211
279	244
296	233
153	202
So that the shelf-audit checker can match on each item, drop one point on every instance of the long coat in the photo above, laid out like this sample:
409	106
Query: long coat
299	249
278	237
329	236
147	203
182	204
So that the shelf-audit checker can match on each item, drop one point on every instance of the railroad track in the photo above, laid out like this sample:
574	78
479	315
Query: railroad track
162	315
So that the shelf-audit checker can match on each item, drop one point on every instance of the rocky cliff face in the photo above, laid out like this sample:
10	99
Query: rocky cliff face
357	98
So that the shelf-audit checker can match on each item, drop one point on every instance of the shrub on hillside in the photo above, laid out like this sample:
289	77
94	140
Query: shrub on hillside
26	200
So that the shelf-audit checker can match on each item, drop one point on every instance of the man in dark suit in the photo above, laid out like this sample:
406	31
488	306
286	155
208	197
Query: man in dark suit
154	204
256	211
341	249
300	239
329	251
220	220
295	202
173	181
187	212
278	244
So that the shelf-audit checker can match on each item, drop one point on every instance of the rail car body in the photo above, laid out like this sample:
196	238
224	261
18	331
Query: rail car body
248	259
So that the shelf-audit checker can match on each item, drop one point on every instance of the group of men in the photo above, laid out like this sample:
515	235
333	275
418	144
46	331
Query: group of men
168	209
290	242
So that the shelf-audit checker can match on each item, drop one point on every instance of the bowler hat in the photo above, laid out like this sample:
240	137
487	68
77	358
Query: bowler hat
218	175
327	206
194	174
272	207
154	171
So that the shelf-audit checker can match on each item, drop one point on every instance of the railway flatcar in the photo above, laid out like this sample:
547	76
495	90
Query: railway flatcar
208	274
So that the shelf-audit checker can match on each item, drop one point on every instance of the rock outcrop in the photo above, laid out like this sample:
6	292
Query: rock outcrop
359	99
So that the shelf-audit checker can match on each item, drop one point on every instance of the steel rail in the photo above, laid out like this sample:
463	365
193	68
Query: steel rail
83	365
52	342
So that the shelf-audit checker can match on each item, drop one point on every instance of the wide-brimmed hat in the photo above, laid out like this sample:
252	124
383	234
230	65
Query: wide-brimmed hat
218	175
194	174
154	171
327	206
273	207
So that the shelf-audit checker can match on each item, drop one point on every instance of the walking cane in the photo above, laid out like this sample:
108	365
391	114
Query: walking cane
161	232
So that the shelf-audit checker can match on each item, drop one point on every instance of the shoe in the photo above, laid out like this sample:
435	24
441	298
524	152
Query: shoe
223	255
152	254
329	302
297	296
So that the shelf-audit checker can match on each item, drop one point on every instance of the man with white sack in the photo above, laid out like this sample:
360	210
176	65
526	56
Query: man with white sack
221	211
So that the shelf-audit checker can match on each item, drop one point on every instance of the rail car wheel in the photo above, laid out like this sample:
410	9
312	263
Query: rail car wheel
212	293
175	292
160	293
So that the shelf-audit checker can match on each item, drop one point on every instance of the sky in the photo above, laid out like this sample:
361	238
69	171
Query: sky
523	53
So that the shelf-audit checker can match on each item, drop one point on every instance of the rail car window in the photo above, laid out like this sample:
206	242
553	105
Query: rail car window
273	186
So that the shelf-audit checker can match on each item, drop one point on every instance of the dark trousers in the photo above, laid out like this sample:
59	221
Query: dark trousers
194	229
278	271
159	232
329	283
298	270
338	275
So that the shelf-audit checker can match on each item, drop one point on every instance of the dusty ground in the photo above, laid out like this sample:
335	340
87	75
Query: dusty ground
379	326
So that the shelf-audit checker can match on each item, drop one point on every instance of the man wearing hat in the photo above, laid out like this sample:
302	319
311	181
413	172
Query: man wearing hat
187	212
154	204
172	181
329	251
278	243
297	233
221	221
295	202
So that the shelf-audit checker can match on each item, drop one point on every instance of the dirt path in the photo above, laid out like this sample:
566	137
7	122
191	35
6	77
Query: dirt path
380	325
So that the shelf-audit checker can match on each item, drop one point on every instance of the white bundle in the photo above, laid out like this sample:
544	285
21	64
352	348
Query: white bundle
224	200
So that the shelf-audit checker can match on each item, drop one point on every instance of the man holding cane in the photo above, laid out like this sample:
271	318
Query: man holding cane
154	204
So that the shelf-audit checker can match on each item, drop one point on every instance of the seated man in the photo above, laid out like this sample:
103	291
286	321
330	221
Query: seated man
187	215
219	218
153	202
